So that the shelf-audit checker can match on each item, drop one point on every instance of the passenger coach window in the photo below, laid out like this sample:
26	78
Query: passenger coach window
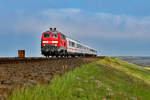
79	46
62	36
53	35
46	35
72	44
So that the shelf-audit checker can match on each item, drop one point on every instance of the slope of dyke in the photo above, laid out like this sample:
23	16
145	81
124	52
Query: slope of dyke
106	79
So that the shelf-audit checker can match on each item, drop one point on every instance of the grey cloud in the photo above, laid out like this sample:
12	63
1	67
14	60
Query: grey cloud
82	23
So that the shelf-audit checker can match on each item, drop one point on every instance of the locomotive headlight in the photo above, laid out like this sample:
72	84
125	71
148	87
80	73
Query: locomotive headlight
45	41
54	41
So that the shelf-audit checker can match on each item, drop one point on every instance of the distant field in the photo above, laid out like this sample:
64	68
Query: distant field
147	68
142	61
107	79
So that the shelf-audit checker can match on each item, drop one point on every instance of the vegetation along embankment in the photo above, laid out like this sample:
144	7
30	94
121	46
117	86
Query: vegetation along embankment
107	79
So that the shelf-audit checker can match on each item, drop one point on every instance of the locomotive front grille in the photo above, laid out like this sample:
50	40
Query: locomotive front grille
49	48
49	44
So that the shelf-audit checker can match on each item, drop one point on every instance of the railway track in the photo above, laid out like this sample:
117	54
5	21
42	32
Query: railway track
14	60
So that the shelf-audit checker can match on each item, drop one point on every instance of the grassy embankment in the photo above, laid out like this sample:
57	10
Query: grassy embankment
107	79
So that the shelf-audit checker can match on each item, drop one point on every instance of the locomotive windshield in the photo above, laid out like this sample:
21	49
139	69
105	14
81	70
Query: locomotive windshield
53	35
46	35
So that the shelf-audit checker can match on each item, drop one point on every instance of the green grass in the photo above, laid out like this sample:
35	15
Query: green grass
108	79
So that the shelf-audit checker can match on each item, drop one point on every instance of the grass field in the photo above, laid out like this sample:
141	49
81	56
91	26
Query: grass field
107	79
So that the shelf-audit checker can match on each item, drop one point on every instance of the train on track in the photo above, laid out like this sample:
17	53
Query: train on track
54	43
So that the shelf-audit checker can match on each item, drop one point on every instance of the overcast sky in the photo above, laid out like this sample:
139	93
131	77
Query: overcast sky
113	27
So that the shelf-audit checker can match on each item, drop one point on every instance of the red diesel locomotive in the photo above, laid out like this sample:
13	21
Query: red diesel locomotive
54	43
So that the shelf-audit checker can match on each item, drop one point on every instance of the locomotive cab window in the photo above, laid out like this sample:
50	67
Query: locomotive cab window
53	35
46	35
